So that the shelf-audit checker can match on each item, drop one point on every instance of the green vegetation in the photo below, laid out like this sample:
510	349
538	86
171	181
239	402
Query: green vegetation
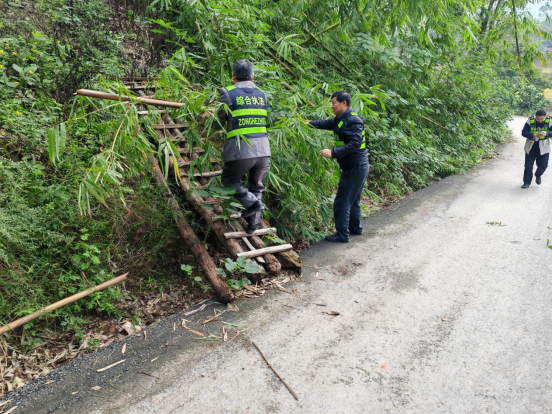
434	81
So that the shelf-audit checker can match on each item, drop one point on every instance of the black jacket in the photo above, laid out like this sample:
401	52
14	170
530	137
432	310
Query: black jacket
350	155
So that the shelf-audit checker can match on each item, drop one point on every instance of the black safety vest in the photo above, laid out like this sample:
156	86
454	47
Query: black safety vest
249	113
338	142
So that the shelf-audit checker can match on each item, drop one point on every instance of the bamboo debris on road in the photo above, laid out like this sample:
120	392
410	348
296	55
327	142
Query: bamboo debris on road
274	370
111	366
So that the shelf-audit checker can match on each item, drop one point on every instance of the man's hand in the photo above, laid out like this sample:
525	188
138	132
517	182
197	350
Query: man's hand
535	135
326	153
306	122
542	134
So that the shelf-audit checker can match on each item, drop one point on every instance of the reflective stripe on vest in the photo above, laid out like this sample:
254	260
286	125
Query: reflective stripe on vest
249	112
534	129
246	131
339	143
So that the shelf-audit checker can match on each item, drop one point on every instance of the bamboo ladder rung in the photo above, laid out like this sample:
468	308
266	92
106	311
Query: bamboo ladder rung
267	250
203	175
201	187
258	232
129	79
233	216
136	87
170	126
195	150
210	202
182	163
260	259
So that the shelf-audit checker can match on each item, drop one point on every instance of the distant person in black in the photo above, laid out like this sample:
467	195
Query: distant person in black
537	147
352	157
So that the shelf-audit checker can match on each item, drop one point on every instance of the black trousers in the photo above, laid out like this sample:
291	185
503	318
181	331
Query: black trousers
541	160
233	173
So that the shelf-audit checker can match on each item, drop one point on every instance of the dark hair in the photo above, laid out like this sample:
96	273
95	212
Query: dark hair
342	96
541	112
243	70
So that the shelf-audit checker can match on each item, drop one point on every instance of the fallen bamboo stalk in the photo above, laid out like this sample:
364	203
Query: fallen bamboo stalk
262	252
222	291
63	302
274	370
116	97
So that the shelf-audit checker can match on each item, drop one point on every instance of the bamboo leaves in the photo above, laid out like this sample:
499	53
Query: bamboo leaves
57	138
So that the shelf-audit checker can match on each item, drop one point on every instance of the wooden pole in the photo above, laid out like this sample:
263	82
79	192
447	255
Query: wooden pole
116	97
63	302
222	291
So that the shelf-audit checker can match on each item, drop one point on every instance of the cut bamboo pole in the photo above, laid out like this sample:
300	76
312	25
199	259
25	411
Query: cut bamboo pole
116	97
63	302
271	249
222	291
259	232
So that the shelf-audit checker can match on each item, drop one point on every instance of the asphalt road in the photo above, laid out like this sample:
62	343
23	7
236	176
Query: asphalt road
444	306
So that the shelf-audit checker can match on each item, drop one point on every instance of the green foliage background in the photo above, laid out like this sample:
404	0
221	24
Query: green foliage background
434	81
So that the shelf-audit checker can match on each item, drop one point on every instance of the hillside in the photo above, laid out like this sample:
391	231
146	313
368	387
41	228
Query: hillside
435	84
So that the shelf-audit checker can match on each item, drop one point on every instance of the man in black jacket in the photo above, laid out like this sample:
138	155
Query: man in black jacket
352	157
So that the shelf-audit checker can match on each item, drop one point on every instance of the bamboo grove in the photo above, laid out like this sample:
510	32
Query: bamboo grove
427	77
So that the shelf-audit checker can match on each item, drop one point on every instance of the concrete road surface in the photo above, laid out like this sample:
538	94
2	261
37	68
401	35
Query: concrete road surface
445	306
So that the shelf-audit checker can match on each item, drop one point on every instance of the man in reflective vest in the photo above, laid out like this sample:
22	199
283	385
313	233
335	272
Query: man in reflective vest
537	147
246	150
352	157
